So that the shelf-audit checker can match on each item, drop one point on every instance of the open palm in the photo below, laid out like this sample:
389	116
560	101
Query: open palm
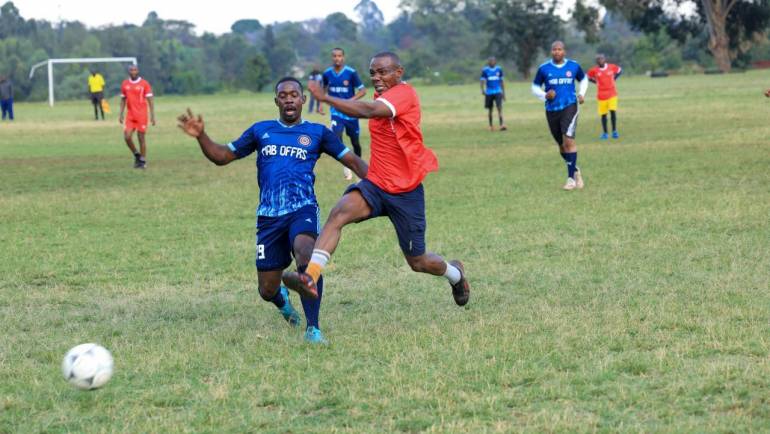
191	124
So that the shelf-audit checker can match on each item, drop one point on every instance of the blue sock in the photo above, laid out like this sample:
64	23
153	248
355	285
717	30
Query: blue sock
571	159
278	300
312	307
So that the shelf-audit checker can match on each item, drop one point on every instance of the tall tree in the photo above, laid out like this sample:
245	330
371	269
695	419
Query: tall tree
521	29
732	25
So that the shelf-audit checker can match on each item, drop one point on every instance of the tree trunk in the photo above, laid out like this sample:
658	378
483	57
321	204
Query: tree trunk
719	43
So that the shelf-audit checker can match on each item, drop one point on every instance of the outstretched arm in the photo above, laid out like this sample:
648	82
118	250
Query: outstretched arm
351	107
193	126
355	163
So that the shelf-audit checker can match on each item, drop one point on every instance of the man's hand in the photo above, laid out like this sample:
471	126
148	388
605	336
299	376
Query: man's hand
316	90
551	94
120	118
191	125
504	97
152	120
581	100
767	93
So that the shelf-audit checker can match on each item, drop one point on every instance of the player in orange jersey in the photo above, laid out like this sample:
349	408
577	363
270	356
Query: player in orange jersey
136	94
604	75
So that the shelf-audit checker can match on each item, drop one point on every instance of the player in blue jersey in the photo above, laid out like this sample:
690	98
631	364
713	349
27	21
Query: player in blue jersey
555	85
287	216
493	89
342	81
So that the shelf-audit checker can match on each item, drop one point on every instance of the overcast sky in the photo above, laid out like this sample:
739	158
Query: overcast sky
213	16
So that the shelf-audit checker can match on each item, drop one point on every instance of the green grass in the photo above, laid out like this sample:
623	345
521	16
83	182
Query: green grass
638	304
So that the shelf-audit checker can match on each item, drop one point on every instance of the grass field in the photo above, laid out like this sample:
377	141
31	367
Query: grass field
641	303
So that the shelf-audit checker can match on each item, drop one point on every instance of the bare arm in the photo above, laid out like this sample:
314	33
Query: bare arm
151	101
356	164
194	127
122	109
483	92
351	107
360	93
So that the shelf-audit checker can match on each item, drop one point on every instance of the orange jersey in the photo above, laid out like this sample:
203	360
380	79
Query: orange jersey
605	80
399	158
136	93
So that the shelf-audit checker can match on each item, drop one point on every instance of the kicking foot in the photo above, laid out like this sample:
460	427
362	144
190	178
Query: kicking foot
302	283
461	291
287	311
570	185
314	336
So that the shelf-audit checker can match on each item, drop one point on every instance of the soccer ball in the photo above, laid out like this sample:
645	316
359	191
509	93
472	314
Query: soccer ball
87	366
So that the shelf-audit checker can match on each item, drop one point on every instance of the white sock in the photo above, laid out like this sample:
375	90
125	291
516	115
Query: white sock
320	257
452	273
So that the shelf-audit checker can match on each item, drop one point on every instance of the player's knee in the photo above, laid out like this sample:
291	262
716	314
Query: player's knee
417	263
267	292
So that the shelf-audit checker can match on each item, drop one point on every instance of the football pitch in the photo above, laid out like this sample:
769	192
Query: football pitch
641	303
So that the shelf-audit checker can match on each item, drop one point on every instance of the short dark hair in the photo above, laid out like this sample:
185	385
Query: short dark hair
338	49
393	56
285	79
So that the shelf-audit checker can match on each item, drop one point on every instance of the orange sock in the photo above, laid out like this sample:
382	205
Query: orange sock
314	270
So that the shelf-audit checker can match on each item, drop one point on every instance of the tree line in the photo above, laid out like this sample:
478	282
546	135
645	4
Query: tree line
440	41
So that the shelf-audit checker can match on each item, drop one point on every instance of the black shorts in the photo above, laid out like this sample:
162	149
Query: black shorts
405	210
563	122
96	97
497	99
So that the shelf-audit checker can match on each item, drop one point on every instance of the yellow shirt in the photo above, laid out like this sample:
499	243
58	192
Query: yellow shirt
96	83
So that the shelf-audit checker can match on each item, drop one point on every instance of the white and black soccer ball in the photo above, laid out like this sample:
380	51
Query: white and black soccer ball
87	366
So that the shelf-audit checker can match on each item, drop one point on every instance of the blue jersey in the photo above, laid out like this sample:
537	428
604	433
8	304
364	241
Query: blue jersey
286	156
494	78
343	85
560	78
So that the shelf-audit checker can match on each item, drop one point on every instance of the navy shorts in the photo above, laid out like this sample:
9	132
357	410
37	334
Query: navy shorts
275	236
405	210
563	123
349	126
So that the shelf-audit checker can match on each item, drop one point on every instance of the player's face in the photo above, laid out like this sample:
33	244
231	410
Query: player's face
133	72
384	73
492	62
600	60
557	52
289	99
338	59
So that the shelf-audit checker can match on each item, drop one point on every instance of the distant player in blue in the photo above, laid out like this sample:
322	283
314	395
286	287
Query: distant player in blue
287	217
342	81
493	89
555	84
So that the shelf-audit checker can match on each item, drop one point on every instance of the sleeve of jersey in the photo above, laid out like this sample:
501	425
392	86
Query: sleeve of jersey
398	100
357	83
148	90
579	74
483	76
122	91
332	145
325	79
244	145
538	81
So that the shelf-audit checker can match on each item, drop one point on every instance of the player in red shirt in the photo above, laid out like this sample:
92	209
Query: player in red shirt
604	75
393	185
136	94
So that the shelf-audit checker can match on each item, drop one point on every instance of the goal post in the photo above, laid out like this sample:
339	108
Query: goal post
51	62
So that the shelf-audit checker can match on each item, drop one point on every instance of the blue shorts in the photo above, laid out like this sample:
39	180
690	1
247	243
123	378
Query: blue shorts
405	210
350	126
275	236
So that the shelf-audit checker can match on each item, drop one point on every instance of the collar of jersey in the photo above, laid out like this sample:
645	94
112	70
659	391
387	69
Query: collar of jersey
604	67
563	64
341	70
138	79
289	126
